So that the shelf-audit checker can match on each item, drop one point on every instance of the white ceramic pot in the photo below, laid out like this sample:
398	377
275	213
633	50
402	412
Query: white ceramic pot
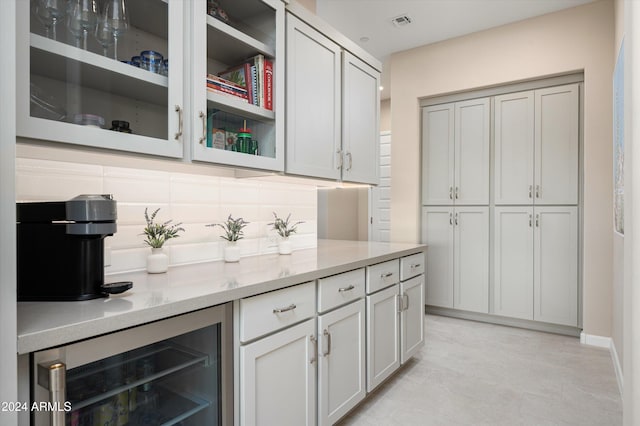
157	261
284	246
231	252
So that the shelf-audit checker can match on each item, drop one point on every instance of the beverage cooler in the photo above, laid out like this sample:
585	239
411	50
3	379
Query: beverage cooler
176	371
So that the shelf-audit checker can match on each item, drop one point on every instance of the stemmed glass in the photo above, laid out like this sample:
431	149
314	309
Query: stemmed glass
104	34
83	17
49	12
117	18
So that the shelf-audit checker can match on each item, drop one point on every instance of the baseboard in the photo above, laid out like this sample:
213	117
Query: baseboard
593	340
617	367
607	343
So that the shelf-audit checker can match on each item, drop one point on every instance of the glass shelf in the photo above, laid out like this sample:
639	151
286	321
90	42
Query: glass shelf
95	382
55	60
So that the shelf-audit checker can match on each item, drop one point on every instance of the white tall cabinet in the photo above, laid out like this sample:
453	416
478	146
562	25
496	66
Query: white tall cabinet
536	214
455	193
514	251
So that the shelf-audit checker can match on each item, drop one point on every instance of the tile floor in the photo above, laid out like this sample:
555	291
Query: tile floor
471	373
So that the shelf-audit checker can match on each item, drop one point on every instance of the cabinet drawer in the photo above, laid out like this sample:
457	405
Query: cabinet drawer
411	266
272	311
382	275
339	289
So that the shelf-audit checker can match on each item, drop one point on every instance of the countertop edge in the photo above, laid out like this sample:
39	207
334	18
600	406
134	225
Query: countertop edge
66	334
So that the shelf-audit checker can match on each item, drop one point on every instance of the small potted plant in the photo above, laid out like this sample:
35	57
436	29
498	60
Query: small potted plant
156	234
284	228
232	233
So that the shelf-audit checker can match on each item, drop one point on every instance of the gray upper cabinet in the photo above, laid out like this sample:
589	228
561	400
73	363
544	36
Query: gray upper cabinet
455	153
360	122
333	107
314	80
536	147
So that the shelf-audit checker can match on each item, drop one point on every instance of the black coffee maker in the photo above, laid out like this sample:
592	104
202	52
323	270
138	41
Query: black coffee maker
60	248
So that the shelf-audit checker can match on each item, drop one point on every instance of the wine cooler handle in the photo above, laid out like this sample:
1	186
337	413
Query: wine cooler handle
180	124
52	376
203	116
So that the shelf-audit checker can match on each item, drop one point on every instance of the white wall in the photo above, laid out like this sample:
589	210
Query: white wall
8	350
192	199
580	38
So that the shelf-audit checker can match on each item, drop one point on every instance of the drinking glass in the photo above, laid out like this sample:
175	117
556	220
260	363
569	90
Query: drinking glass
83	17
49	12
104	34
115	12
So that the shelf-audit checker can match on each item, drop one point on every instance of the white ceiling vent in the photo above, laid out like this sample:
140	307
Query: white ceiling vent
401	21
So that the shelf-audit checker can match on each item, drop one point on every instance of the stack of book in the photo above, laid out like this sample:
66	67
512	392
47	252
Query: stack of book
226	87
256	76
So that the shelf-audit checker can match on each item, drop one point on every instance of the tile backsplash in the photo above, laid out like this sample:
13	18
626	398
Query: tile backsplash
194	200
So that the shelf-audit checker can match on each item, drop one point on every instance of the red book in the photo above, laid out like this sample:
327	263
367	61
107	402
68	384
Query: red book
268	84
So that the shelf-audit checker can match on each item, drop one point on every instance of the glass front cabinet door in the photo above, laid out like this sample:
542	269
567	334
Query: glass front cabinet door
237	83
102	73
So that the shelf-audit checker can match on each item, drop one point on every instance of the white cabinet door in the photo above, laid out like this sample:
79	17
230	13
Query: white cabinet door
411	317
278	378
313	102
437	234
383	352
513	262
360	122
471	259
472	120
437	154
341	366
556	145
556	265
513	153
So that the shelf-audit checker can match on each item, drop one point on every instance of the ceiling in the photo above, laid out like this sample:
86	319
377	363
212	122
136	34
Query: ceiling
369	22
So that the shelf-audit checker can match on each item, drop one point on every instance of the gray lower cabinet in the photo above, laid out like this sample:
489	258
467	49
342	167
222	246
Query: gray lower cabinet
536	263
458	257
309	353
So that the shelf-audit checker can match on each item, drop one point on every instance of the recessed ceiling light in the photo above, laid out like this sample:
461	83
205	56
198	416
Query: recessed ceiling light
401	20
364	39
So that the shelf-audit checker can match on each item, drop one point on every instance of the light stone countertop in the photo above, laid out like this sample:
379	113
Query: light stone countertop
183	289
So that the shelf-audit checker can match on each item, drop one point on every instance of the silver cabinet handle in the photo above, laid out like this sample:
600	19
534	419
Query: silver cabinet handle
405	302
530	191
314	342
387	275
530	218
456	219
203	116
52	376
537	220
179	133
538	191
457	192
327	340
340	159
450	218
451	192
350	157
291	307
415	265
343	289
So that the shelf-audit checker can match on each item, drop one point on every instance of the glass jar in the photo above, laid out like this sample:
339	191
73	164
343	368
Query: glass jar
152	61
